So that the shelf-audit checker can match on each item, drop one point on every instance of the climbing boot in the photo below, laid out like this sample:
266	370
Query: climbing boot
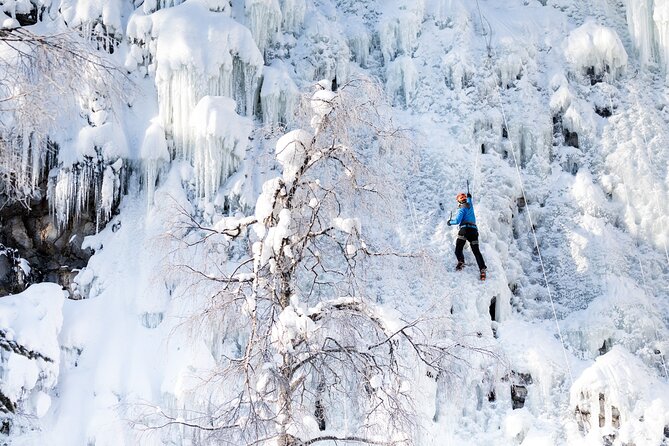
459	266
483	274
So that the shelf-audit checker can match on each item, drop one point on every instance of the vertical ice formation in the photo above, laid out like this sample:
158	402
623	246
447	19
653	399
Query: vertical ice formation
97	20
402	79
595	48
155	154
292	17
180	42
221	139
279	95
74	189
329	55
661	19
264	19
110	190
648	24
91	171
458	69
359	41
399	28
509	65
642	29
25	156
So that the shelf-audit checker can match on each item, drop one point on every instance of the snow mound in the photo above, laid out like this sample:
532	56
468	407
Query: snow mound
29	326
617	397
597	48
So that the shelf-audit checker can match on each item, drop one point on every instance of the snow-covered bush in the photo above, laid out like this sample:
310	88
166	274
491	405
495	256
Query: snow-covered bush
595	50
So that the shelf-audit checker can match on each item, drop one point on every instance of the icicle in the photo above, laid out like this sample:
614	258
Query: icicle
399	28
222	136
154	155
459	70
184	77
292	12
264	17
62	196
642	29
278	95
661	19
360	42
402	79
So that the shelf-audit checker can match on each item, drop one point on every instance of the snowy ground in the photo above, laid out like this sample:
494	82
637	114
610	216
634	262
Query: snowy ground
585	335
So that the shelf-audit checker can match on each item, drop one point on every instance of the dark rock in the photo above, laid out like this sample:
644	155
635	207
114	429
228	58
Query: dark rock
518	396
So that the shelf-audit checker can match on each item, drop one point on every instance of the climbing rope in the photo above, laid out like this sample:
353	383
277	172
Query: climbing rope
534	235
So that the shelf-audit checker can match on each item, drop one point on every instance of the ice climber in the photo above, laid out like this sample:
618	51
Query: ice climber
467	233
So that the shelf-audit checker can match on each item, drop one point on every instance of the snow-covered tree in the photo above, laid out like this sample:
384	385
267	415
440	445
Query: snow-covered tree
319	360
41	75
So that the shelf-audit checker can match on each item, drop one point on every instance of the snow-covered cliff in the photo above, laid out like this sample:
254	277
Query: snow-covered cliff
554	111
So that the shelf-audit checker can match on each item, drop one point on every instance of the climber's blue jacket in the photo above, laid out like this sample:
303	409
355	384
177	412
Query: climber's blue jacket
465	216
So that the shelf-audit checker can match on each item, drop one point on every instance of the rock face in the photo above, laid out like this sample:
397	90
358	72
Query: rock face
35	250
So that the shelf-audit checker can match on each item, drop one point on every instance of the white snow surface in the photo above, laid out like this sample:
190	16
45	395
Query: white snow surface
490	92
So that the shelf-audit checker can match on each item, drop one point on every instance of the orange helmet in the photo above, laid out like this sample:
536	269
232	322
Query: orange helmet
461	198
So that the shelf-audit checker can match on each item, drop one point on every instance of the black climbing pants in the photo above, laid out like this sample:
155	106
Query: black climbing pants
470	235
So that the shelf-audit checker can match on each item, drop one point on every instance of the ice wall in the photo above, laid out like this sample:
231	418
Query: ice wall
175	46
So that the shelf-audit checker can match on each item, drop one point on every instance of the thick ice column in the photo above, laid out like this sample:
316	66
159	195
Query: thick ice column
264	18
279	94
399	28
402	79
154	155
222	137
642	29
292	15
661	19
360	41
